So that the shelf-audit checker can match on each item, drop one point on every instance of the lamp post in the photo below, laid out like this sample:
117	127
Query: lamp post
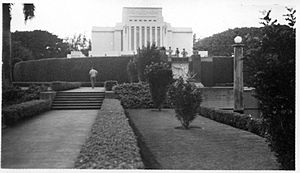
238	85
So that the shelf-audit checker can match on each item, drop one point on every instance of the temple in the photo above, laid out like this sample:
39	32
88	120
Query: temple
140	25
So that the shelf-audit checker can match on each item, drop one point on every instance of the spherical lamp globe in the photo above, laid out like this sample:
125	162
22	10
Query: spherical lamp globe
238	40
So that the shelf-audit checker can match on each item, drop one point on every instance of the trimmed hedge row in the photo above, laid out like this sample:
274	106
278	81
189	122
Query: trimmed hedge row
73	69
61	85
17	112
241	121
112	144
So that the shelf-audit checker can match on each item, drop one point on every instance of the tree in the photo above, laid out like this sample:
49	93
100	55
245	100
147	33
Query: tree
42	44
79	43
271	65
159	77
145	57
28	10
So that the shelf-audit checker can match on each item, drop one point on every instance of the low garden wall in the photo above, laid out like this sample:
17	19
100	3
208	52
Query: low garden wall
112	143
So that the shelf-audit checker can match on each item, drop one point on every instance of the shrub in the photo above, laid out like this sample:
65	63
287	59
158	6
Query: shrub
15	95
241	121
159	76
132	71
72	70
271	66
145	57
186	99
134	95
109	84
62	85
112	143
17	112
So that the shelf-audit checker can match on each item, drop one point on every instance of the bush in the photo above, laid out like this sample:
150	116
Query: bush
241	121
186	99
134	95
132	71
271	66
15	113
61	85
72	70
112	144
146	56
109	84
15	95
159	76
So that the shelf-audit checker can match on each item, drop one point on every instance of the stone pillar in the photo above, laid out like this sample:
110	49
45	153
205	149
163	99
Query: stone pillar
238	85
129	38
134	39
141	39
150	35
155	35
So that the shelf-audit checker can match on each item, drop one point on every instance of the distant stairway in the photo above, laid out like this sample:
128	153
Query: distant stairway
78	100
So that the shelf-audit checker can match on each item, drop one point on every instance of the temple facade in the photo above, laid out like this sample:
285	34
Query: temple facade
140	25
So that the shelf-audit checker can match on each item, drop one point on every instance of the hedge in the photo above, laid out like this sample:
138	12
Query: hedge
241	121
61	85
17	112
73	69
112	143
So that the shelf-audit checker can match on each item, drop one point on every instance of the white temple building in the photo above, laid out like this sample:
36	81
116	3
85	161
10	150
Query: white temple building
139	26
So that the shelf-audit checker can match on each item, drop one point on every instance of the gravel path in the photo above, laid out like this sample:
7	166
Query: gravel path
208	145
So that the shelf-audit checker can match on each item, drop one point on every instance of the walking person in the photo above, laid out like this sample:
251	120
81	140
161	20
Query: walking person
93	73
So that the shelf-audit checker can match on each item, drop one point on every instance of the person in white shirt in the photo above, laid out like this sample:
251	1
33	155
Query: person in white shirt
93	73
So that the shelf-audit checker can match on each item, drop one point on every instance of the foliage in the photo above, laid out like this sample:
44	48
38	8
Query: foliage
79	43
159	77
134	95
17	112
241	121
272	68
15	95
110	84
42	44
145	56
186	99
132	71
62	85
112	143
72	70
221	44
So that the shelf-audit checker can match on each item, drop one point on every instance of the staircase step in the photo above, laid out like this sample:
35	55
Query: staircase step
78	100
76	107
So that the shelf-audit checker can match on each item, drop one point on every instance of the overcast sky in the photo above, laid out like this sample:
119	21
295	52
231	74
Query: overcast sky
206	17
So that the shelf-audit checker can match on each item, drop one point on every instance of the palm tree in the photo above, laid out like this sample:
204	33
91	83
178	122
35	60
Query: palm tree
28	10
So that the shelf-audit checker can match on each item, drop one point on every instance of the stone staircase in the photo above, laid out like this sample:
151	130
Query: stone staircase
78	100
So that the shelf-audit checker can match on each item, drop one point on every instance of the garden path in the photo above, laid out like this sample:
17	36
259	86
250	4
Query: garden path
208	145
50	140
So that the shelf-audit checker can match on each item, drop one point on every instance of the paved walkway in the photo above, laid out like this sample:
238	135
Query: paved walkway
208	145
50	140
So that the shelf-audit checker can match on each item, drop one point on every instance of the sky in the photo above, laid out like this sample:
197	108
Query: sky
65	18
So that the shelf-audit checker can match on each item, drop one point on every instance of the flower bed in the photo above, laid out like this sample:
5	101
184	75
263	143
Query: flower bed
17	112
241	121
112	143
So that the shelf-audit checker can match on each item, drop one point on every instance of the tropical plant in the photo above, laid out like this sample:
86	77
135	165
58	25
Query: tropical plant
159	77
272	68
28	10
186	99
